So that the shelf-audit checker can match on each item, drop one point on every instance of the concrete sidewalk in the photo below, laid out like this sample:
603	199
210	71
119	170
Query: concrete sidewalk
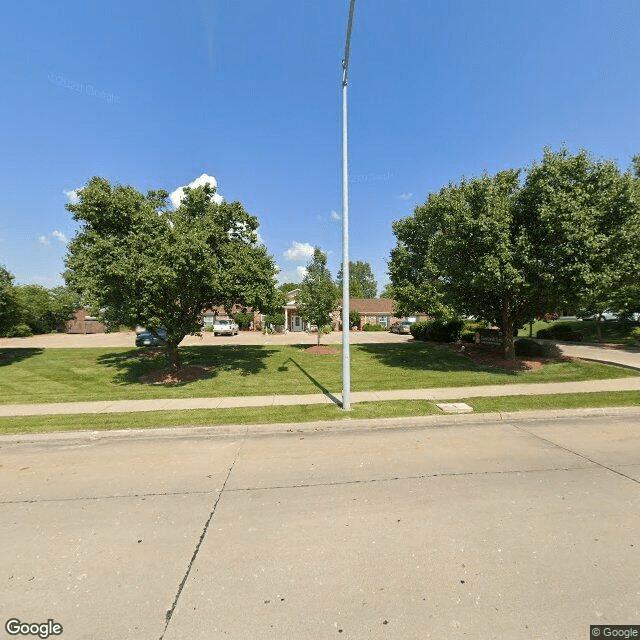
444	393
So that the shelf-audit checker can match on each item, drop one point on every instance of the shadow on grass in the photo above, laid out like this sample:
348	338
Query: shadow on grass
313	381
422	356
11	356
131	365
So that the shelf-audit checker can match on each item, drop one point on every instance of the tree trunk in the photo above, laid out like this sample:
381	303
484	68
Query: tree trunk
598	327
507	332
318	335
172	354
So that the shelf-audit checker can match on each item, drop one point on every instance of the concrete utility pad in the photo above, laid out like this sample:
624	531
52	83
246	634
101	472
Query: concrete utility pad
454	407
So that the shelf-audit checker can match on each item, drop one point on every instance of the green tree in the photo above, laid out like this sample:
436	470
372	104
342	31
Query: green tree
318	296
387	291
362	283
63	304
287	287
34	302
140	262
9	310
354	318
502	251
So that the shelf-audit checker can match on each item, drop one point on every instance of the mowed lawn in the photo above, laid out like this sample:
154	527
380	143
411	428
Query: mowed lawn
65	375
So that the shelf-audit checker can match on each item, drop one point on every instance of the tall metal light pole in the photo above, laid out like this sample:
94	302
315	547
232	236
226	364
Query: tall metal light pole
346	355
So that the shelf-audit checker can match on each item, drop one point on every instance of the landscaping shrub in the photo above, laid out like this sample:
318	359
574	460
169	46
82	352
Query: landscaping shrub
437	330
531	348
327	328
468	333
354	318
19	331
635	335
373	327
275	319
561	331
244	320
208	328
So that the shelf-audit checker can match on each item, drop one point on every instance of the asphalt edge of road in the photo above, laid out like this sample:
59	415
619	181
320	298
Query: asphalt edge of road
342	424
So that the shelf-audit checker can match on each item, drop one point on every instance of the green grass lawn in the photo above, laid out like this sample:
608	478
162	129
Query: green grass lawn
66	375
612	331
306	413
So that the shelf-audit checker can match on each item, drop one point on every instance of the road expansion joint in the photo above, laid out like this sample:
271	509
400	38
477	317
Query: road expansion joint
425	476
111	497
170	612
577	454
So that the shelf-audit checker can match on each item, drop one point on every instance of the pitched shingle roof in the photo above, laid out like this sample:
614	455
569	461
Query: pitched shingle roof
371	305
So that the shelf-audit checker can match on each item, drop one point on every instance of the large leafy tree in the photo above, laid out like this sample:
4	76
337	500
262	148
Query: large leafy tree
362	283
579	216
505	251
318	295
460	253
140	262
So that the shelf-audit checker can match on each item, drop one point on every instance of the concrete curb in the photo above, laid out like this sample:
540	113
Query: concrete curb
344	424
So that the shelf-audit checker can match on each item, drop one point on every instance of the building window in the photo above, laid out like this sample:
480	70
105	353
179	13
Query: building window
208	321
383	320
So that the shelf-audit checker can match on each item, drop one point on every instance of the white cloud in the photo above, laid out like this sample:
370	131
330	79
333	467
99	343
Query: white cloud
335	215
58	235
177	195
405	196
291	275
43	240
298	251
72	196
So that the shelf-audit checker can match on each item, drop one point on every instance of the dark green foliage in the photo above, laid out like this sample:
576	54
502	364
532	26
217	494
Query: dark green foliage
243	320
318	294
373	327
45	310
354	318
275	319
468	333
507	250
560	331
142	263
635	334
437	330
531	348
19	331
362	283
9	310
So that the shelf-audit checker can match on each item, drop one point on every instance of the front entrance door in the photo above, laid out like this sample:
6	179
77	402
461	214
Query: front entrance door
297	323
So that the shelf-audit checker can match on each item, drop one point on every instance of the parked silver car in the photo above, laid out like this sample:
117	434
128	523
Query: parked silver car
401	327
228	327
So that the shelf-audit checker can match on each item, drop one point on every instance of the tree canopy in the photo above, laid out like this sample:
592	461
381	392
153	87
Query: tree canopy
137	261
9	311
318	294
506	251
362	283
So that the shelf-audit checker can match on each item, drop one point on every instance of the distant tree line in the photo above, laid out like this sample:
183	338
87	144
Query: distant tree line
31	308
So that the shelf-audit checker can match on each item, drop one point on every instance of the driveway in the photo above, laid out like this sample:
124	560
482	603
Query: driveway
516	529
127	339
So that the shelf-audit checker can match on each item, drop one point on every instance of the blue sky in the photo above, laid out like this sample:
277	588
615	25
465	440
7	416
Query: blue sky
157	93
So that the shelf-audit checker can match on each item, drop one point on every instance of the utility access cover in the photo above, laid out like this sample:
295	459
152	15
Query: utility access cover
454	407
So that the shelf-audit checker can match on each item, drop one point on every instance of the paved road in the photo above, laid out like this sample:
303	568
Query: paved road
516	529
